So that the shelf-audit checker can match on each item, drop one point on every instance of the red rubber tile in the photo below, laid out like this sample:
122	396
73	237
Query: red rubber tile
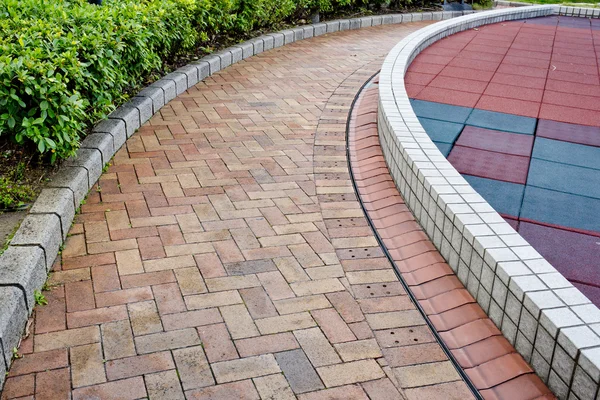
572	100
470	333
528	386
519	81
499	370
498	141
532	47
570	115
523	71
483	351
509	106
571	77
438	51
466	73
464	85
418	78
570	58
589	135
487	164
514	92
573	87
574	254
526	62
512	222
474	64
486	49
413	90
436	287
435	59
447	96
536	55
575	68
477	55
457	316
425	68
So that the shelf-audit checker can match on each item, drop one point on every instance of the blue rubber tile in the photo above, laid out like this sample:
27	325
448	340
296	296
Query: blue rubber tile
564	209
567	153
502	122
445	148
441	131
505	197
564	178
443	112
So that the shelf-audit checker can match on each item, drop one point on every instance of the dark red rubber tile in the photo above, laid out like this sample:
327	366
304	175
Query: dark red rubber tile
528	386
523	71
474	64
572	100
589	60
514	92
463	85
413	90
435	59
526	62
498	141
519	81
457	316
499	370
575	68
438	51
512	222
425	68
447	96
477	55
487	164
499	44
509	106
483	351
574	254
573	133
573	87
570	115
467	73
571	77
418	78
536	55
532	47
446	301
570	51
470	333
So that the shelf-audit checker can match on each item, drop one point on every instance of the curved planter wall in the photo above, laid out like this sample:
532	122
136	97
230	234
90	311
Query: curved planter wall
25	265
548	320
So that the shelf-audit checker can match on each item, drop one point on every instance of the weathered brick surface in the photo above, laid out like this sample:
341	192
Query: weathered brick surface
225	245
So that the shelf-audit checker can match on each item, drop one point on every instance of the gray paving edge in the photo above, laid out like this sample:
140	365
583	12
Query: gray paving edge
549	321
25	264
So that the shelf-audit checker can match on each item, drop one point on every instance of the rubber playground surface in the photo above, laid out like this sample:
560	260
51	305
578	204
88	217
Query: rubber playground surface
515	107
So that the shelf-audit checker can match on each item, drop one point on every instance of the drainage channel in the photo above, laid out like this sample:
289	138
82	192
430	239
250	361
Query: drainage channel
413	299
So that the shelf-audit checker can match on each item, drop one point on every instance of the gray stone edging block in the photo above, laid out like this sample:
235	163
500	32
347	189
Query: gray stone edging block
144	106
72	178
550	322
116	128
23	267
13	317
103	142
42	230
91	160
156	96
58	202
129	115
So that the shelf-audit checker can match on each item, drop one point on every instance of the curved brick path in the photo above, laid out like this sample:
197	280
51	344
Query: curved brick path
225	245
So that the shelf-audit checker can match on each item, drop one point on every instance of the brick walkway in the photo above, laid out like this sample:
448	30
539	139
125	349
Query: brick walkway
225	245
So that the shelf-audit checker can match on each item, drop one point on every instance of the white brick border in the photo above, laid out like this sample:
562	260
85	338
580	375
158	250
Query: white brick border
550	322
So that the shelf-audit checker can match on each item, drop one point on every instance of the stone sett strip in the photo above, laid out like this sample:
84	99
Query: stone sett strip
134	230
510	281
489	360
210	260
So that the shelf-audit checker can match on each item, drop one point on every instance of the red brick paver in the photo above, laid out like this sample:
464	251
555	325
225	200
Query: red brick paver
225	245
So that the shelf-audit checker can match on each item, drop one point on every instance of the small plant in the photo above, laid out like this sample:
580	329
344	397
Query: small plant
40	299
15	354
14	195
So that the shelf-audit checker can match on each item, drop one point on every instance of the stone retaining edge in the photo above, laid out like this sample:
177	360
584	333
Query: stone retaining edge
25	264
549	321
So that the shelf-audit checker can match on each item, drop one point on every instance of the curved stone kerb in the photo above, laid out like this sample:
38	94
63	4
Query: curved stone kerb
520	291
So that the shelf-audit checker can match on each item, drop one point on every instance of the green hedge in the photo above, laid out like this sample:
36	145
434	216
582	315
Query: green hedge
64	65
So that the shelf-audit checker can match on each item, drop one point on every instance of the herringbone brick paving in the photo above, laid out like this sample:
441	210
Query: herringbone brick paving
224	254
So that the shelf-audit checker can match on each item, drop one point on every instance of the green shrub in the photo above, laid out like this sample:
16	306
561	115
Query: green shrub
66	64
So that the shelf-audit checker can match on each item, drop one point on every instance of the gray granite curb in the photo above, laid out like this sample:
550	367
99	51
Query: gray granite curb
26	262
549	321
